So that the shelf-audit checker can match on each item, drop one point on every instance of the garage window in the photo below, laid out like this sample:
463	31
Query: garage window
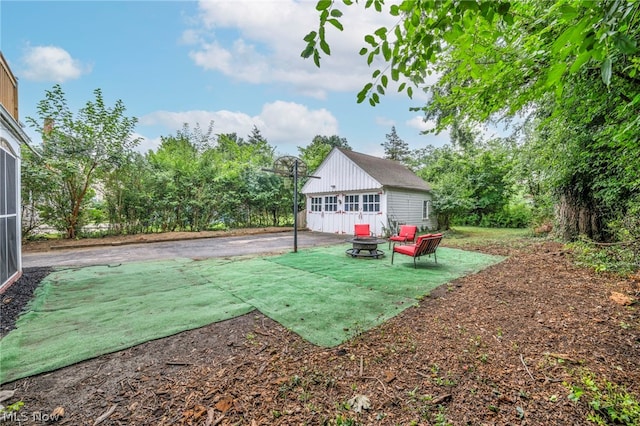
371	203
316	204
331	203
351	203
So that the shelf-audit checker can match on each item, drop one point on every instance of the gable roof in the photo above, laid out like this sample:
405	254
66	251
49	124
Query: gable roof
388	172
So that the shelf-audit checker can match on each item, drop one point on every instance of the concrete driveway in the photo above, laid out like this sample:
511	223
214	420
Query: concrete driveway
194	249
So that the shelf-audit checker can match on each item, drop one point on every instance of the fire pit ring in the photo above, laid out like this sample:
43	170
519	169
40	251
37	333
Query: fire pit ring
365	247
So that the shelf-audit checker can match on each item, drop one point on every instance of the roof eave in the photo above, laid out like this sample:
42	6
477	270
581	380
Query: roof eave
15	128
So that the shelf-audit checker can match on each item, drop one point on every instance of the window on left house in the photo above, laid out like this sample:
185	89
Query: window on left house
426	208
316	204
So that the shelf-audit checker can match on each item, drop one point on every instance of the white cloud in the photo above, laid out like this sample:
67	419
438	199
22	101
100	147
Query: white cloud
295	124
51	63
261	42
146	144
385	122
421	125
285	125
190	36
224	121
242	62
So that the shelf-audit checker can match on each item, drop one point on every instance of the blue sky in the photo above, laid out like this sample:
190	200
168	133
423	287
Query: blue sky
234	62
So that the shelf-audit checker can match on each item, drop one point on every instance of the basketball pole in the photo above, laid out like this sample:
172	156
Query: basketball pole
295	206
291	169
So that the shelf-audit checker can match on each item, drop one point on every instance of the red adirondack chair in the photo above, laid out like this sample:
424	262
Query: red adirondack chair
362	230
406	234
425	246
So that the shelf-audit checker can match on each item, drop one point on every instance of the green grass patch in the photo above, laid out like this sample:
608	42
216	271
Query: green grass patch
466	236
321	294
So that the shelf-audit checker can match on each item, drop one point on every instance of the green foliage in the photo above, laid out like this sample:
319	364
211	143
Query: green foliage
76	151
486	41
474	183
180	181
128	197
441	418
12	408
607	402
616	258
35	185
96	212
451	198
344	421
571	66
627	229
195	181
217	226
395	148
517	214
620	257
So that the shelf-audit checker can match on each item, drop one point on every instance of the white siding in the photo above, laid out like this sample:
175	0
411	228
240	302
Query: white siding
341	221
338	174
406	207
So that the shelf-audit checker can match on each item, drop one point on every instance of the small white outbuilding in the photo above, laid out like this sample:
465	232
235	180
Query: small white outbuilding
355	188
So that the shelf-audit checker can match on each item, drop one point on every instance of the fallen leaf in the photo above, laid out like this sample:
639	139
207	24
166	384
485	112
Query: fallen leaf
359	403
57	413
621	299
224	404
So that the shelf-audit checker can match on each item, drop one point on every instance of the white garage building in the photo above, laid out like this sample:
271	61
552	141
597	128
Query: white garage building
355	188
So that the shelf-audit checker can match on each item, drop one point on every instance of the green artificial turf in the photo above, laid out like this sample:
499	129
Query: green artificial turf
321	294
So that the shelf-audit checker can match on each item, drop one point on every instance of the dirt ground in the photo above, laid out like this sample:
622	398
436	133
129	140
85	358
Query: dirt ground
500	347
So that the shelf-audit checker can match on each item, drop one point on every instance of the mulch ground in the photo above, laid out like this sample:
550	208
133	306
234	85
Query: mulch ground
500	347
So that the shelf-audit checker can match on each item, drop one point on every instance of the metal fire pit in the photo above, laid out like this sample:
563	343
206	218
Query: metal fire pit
365	247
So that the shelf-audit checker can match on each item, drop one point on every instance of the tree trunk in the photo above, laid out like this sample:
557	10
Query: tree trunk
444	222
577	214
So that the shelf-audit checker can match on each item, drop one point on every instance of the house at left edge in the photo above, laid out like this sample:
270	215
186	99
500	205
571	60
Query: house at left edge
12	137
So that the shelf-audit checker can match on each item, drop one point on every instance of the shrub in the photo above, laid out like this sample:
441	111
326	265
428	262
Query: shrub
608	403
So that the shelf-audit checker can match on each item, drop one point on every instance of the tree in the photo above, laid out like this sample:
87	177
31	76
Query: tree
546	41
395	148
472	186
565	62
177	183
76	150
451	198
130	204
256	137
35	185
239	189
